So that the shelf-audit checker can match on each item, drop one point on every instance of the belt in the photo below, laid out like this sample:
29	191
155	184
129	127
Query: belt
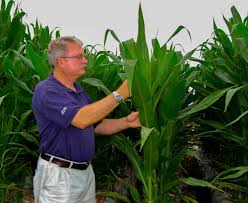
64	163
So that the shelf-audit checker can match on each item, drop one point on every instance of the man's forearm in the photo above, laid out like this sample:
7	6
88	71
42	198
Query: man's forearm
111	126
94	112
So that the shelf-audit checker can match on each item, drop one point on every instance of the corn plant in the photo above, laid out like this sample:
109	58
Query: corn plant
40	36
225	65
21	67
158	85
12	30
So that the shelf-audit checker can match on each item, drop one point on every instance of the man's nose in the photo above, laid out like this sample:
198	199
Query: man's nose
84	60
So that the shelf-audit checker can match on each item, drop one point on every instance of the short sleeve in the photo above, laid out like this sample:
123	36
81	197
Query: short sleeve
59	107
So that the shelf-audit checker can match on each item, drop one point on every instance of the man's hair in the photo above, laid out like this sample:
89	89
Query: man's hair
59	47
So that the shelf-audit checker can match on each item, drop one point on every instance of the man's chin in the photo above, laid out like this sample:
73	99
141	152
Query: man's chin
82	72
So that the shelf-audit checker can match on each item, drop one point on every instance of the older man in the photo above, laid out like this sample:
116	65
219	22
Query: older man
67	120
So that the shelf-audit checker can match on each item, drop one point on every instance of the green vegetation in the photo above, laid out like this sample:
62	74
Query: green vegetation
181	106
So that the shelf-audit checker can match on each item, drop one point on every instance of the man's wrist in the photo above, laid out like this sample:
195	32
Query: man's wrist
118	97
125	123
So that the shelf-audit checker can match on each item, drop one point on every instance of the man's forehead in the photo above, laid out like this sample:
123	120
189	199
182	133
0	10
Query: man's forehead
74	47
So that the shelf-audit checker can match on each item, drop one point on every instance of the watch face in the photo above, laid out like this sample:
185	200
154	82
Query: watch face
118	97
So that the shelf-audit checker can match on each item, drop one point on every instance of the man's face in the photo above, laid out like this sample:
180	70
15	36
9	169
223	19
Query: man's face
73	63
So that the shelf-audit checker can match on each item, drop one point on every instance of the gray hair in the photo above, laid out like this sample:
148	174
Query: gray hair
59	47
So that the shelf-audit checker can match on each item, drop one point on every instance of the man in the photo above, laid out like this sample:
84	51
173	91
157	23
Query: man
66	121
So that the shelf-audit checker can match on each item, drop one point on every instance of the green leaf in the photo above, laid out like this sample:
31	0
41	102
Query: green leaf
232	186
6	14
23	119
126	147
141	39
145	132
205	103
191	77
115	58
25	60
39	63
224	76
230	94
128	50
224	40
236	17
187	56
35	154
129	70
243	48
27	136
179	28
113	35
22	84
171	100
236	173
16	32
237	119
2	98
188	199
134	192
196	182
151	156
97	83
212	123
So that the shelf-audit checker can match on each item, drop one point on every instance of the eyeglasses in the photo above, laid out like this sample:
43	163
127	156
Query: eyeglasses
81	56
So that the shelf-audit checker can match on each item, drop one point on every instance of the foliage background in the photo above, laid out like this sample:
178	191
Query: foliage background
192	107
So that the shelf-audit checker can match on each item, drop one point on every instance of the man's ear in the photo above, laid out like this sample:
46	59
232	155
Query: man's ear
59	61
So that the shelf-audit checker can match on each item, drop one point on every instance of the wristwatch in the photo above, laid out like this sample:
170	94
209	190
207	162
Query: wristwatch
117	96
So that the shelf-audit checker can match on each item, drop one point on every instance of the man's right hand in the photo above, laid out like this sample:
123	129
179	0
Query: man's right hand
123	90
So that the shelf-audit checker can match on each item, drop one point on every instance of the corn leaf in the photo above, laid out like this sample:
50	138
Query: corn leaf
232	186
126	147
230	94
134	192
21	84
113	35
188	199
206	102
129	70
236	173
23	119
236	17
27	136
6	12
196	182
171	99
2	98
25	60
237	119
179	28
97	83
224	76
141	39
145	132
40	63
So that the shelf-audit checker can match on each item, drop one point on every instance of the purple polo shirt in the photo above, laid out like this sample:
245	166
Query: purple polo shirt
54	107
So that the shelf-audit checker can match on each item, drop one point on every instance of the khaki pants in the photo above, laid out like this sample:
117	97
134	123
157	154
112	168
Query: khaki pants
54	184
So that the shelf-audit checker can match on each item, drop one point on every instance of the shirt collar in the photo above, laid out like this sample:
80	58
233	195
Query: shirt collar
58	83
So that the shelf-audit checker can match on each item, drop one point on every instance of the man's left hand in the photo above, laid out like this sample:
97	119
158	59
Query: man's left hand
133	120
